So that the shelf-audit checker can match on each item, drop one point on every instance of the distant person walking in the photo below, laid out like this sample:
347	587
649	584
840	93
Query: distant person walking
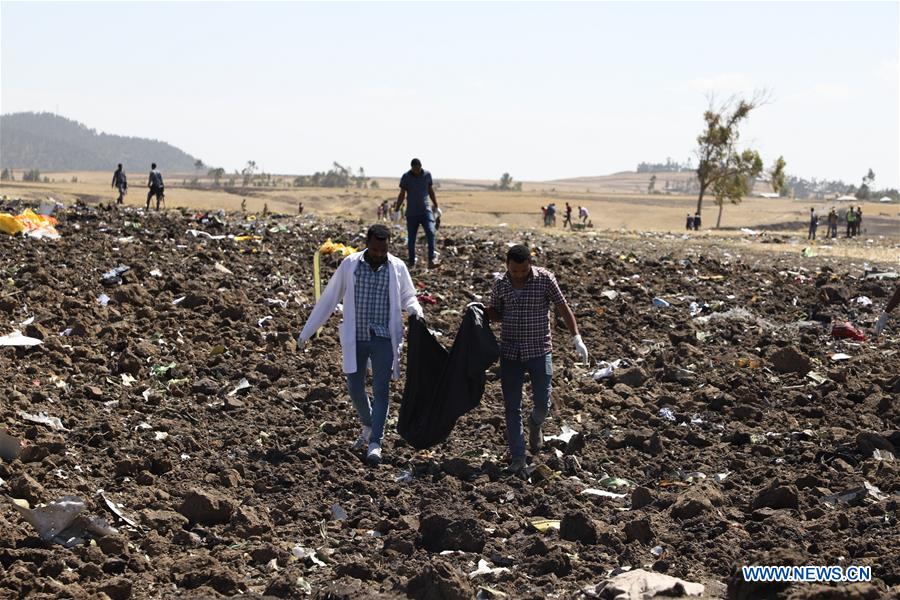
583	214
813	224
544	215
690	222
120	182
697	222
416	187
156	185
832	223
857	225
568	219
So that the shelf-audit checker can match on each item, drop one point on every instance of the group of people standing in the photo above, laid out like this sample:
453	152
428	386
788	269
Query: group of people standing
375	288
693	222
154	182
385	214
549	216
853	219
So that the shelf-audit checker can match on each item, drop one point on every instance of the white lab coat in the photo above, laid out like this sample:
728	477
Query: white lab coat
340	288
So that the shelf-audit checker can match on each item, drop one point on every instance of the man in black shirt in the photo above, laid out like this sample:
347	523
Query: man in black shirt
157	188
120	182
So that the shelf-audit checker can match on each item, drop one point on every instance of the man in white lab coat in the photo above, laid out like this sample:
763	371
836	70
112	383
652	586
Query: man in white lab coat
375	287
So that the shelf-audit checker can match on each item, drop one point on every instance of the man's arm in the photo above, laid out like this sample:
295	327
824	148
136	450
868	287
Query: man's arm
432	196
555	295
494	310
568	317
400	199
324	308
408	300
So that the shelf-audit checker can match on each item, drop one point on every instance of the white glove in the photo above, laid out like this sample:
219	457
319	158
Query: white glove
580	348
301	343
882	321
415	310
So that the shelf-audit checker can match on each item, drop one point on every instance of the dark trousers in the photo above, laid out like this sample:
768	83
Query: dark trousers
158	192
412	231
512	378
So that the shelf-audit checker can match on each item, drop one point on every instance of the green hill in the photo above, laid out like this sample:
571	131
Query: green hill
49	142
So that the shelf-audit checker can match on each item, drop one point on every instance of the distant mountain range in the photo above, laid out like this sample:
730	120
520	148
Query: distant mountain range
49	142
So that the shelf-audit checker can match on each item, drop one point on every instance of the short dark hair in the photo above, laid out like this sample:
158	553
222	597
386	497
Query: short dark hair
379	232
415	162
120	165
152	165
518	254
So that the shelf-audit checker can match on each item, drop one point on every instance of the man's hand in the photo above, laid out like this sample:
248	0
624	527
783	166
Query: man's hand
301	343
415	310
882	321
580	348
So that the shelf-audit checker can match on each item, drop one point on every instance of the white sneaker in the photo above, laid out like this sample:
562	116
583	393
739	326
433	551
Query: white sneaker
373	456
363	440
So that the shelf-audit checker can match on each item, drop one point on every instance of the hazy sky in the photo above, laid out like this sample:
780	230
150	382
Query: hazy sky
541	90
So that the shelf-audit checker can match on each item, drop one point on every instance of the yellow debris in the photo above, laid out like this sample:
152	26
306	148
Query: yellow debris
330	247
30	223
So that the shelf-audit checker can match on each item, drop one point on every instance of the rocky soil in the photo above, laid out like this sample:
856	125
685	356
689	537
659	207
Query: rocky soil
732	432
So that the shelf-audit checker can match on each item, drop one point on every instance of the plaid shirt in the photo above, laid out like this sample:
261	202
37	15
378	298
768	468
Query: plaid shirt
373	304
526	314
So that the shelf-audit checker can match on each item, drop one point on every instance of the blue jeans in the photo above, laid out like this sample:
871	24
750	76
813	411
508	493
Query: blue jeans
412	230
512	378
372	414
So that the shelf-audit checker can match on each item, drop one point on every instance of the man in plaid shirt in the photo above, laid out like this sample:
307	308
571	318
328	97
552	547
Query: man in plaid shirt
521	300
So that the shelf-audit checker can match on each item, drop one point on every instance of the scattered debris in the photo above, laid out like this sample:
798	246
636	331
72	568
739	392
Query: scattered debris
844	331
565	435
116	510
17	339
543	525
61	522
602	493
114	276
485	569
43	419
243	384
639	584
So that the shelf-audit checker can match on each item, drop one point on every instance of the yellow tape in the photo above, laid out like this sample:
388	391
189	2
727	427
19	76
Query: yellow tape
317	282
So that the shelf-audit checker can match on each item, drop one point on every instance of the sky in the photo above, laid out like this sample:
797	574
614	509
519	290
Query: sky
539	90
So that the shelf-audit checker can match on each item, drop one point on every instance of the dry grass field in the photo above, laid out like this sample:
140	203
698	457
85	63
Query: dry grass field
616	202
